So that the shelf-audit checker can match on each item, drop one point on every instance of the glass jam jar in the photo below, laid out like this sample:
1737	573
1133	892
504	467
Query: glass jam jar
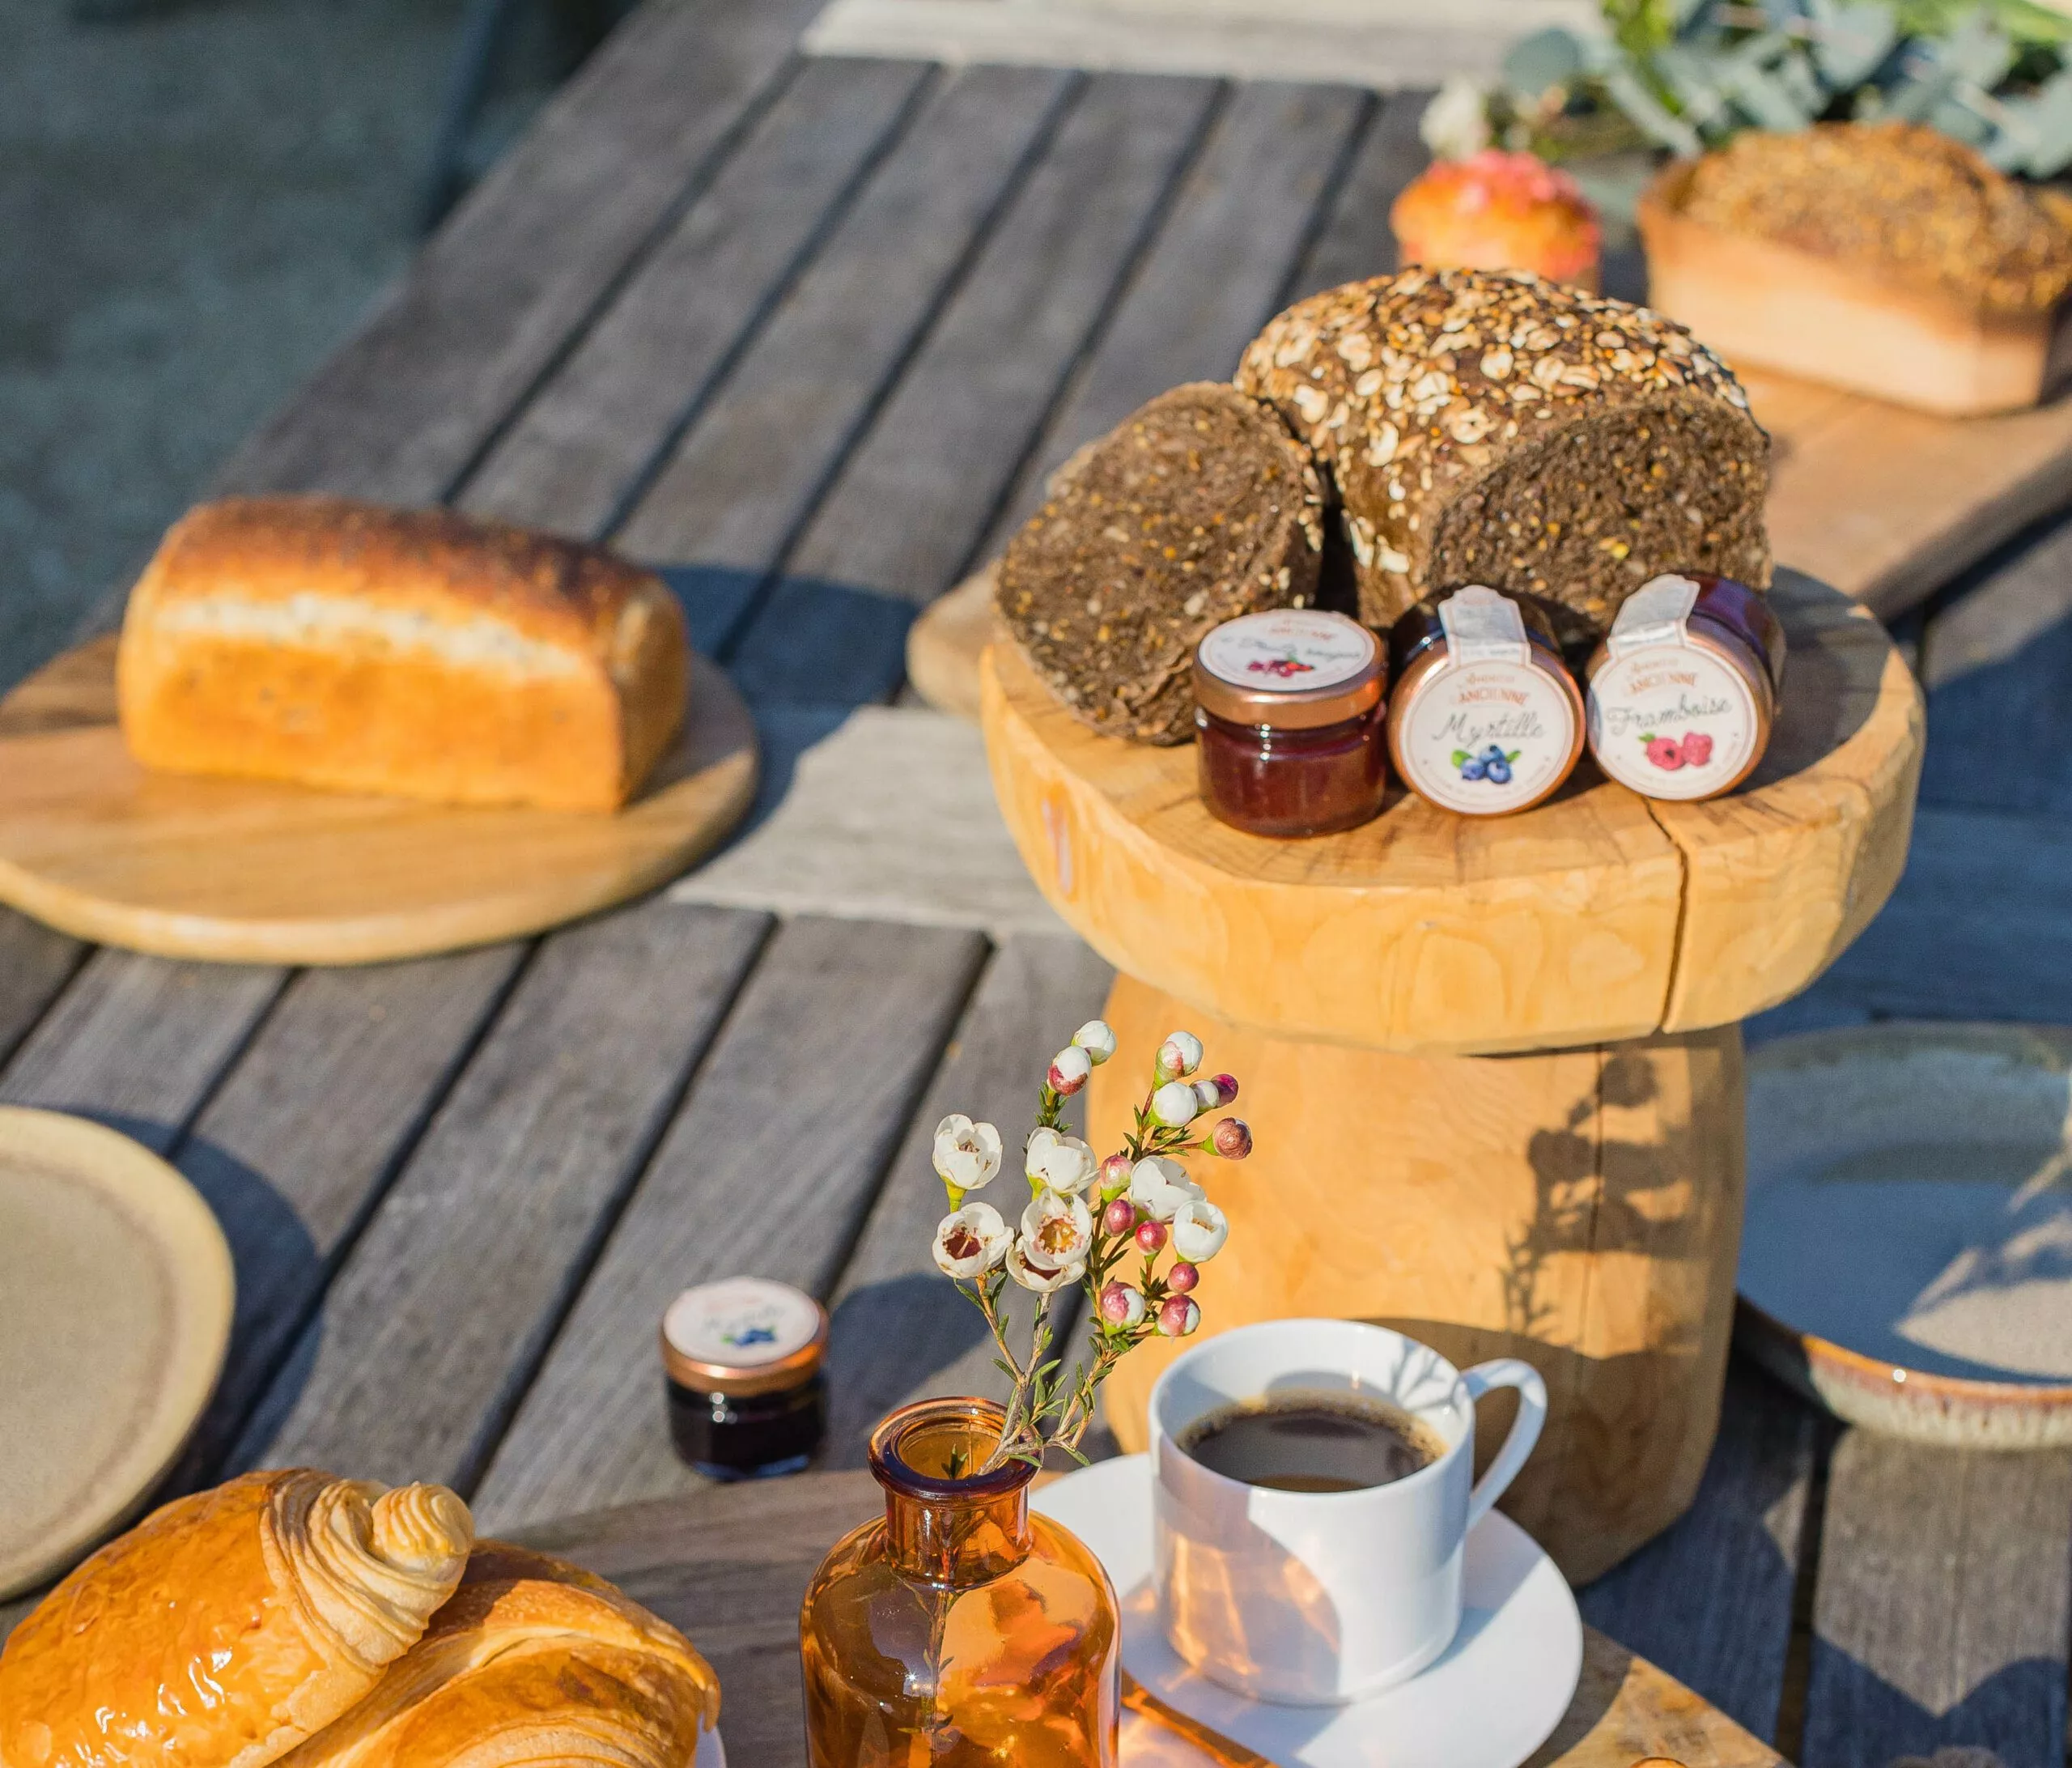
741	1360
1484	719
1683	690
1287	713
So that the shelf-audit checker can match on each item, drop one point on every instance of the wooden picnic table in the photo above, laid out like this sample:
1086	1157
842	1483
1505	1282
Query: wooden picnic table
809	333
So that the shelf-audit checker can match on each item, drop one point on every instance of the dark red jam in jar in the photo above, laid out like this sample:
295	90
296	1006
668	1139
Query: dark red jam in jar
1287	712
746	1396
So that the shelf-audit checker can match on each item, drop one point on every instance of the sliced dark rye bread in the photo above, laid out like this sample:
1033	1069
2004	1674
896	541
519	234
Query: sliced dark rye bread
1491	428
1196	508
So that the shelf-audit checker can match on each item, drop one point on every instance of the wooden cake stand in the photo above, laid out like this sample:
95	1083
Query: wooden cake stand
1493	1067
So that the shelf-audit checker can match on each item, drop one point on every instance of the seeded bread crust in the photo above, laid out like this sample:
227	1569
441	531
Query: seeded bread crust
1492	428
1197	508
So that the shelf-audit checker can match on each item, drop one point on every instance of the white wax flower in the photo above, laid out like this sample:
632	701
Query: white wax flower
1061	1163
1056	1231
1455	124
1068	1070
1097	1039
1208	1095
1179	1056
967	1155
1199	1229
971	1241
1043	1283
1158	1187
1176	1105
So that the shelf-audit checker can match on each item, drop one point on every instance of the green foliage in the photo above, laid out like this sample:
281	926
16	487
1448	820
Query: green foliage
1687	74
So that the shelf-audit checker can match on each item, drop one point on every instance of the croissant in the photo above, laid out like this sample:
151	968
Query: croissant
230	1625
533	1662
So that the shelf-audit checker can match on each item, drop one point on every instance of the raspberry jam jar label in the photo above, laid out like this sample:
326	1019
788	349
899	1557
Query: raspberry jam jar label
1290	651
1672	714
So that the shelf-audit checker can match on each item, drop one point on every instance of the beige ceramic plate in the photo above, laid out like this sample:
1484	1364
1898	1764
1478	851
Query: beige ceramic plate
114	1310
1907	1258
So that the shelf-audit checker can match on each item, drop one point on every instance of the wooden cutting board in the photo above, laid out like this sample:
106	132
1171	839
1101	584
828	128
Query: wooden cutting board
249	871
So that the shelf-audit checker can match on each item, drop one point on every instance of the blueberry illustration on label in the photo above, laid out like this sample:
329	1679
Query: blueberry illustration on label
1493	764
748	1335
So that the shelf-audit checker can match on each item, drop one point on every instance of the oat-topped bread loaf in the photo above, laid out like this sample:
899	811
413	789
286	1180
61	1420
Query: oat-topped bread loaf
1897	198
414	652
1491	428
1197	508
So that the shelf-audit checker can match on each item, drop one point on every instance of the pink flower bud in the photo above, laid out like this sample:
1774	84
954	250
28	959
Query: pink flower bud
1121	1305
1179	1056
1119	1217
1226	1086
1151	1235
1208	1093
1182	1278
1178	1316
1069	1069
1115	1175
1232	1139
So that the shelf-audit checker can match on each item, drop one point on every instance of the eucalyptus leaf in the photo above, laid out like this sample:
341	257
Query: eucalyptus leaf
1549	58
1850	42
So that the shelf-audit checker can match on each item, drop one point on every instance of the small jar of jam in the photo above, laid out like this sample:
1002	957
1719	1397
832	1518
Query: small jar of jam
1288	710
742	1360
1683	689
1484	718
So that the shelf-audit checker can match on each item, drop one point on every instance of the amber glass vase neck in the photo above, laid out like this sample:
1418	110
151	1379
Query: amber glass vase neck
945	1523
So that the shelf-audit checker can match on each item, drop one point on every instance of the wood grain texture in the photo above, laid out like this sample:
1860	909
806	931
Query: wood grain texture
916	497
297	1147
901	1330
769	1169
35	962
736	490
139	1042
433	1330
1233	235
694	302
1709	1600
1356	241
256	871
729	1565
1941	1614
401	413
1598	916
1581	1209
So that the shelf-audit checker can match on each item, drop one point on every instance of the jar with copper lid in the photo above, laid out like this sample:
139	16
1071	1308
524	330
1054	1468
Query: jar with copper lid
742	1357
1288	719
1683	690
1484	718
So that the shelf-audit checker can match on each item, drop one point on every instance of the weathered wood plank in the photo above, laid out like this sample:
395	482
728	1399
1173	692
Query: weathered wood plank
1941	1613
297	1147
736	492
34	964
1710	1601
916	498
139	1042
901	1330
402	411
1356	241
1244	214
620	401
432	1330
769	1169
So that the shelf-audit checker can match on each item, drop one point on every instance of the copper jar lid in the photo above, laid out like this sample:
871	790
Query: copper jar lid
743	1335
1291	669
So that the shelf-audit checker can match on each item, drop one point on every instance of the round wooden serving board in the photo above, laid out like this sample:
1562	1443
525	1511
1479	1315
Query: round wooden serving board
248	871
1599	917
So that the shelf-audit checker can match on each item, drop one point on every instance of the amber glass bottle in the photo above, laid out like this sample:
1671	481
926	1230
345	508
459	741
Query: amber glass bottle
960	1630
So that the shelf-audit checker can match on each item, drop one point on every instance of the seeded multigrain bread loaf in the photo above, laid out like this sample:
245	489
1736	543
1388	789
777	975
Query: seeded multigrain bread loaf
1197	508
409	653
1491	428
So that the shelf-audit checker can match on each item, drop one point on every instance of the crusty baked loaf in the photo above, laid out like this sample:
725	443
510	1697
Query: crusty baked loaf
407	652
1901	198
532	1663
230	1625
1197	508
1495	428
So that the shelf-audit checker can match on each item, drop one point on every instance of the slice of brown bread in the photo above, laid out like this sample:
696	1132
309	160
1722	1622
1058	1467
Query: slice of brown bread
1196	508
1490	428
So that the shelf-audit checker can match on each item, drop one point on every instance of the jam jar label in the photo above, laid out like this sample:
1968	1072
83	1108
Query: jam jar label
1290	651
742	1323
1483	739
1669	717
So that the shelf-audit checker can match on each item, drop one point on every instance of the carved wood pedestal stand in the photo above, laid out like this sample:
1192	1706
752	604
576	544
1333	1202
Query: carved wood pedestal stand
1492	1067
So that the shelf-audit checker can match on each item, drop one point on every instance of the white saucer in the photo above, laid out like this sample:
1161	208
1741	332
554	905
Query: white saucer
1489	1702
712	1753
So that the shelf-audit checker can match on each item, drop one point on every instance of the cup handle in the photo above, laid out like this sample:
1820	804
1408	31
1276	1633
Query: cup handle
1507	1372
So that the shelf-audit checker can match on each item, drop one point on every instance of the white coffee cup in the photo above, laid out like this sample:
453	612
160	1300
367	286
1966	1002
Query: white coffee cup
1320	1598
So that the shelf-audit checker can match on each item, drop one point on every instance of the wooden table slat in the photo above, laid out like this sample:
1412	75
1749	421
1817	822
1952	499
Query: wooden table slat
769	1169
1940	1612
432	1330
497	297
36	964
1356	242
619	402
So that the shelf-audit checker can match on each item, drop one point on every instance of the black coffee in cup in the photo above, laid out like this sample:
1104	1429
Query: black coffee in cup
1310	1442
